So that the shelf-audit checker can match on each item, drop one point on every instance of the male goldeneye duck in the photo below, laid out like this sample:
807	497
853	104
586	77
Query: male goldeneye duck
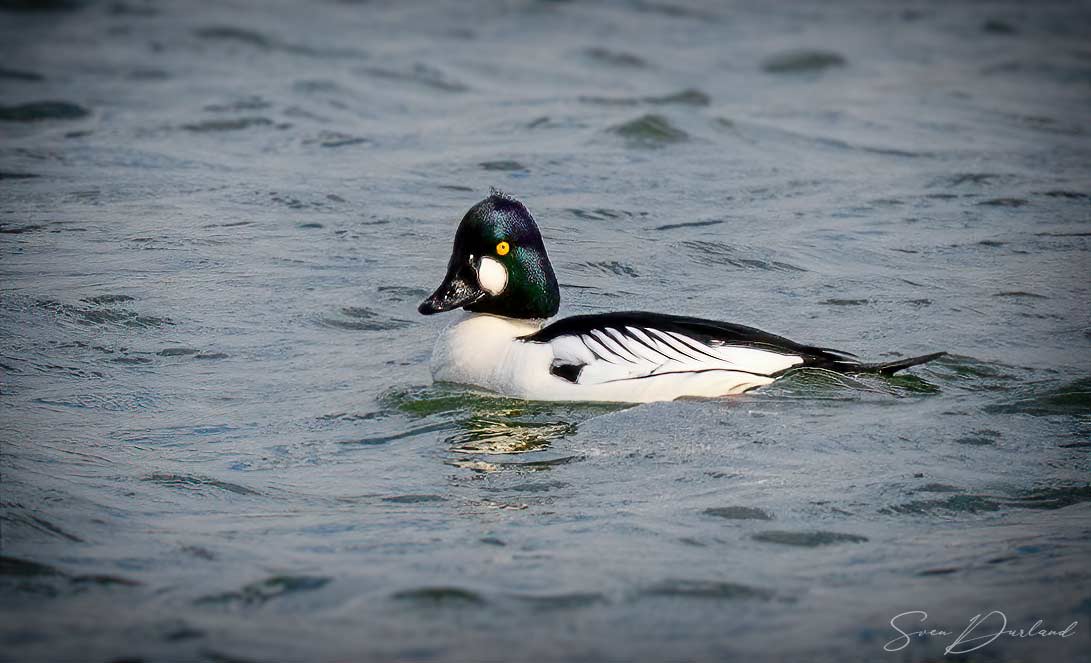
500	275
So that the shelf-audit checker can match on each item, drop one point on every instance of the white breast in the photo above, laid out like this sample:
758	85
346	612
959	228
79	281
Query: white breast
482	350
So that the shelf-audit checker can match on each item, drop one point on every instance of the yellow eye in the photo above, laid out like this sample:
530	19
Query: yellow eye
502	249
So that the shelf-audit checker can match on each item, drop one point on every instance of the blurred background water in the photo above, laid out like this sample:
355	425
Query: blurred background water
220	440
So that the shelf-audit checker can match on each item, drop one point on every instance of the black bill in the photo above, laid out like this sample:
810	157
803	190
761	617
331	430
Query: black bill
457	290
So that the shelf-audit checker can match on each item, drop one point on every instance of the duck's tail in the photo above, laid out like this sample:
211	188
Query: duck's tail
891	367
846	362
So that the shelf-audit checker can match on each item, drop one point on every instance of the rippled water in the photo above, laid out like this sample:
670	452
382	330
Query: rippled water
220	437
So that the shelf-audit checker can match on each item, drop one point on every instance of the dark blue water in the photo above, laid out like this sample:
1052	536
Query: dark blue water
220	439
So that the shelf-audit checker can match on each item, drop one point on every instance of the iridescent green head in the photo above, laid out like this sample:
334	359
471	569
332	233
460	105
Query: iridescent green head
498	265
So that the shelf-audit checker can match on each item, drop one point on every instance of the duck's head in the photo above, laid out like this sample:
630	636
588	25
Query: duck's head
498	265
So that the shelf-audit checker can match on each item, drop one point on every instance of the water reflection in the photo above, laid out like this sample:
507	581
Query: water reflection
487	425
497	436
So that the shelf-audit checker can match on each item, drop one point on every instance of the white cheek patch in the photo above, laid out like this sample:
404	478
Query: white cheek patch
492	276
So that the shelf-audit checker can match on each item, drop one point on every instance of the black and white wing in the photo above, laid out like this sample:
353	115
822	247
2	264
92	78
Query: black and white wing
624	346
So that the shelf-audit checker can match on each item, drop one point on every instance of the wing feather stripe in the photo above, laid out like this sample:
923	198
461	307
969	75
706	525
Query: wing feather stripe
607	342
642	338
670	342
622	341
643	348
592	350
590	338
693	345
663	348
675	353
